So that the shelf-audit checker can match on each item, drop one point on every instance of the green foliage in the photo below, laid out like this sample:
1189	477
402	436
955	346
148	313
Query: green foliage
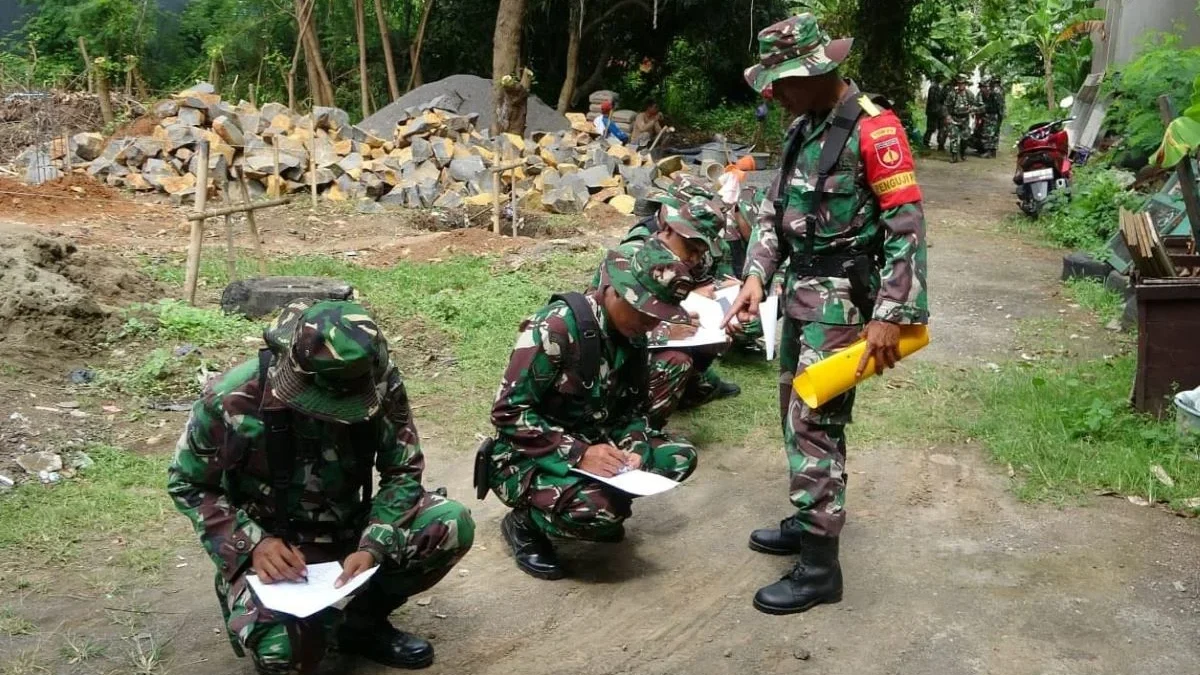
116	497
1068	429
1088	218
176	320
1161	67
739	123
687	89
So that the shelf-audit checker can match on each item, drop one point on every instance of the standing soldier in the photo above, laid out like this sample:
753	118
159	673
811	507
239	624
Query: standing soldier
935	115
993	116
846	210
574	398
958	107
275	470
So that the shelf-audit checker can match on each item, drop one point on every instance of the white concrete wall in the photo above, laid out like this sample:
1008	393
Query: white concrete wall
1129	20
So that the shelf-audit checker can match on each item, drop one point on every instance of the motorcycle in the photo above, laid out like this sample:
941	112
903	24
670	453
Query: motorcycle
1044	164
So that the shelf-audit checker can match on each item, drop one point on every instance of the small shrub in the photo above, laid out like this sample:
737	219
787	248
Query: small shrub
1087	219
1161	67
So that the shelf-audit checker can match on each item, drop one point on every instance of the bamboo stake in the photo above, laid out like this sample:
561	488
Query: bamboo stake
230	249
312	157
496	202
215	213
197	239
67	150
512	199
258	246
277	184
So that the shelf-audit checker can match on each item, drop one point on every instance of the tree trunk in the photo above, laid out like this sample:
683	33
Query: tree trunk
506	59
597	75
106	111
573	38
318	78
415	78
1048	60
87	66
360	29
882	28
388	59
513	108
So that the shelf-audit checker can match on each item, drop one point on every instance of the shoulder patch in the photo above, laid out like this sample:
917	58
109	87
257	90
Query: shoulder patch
888	161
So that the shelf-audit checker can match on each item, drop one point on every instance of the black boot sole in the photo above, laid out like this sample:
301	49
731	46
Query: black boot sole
780	611
408	665
762	548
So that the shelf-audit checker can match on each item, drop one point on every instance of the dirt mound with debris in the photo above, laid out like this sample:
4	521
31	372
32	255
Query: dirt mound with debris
55	298
28	118
476	94
70	197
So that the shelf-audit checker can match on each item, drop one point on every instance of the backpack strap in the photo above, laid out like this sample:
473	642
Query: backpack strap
277	425
844	120
588	365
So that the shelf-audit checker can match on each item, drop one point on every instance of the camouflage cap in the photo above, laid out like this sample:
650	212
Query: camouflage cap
795	47
653	279
332	365
686	186
697	218
960	78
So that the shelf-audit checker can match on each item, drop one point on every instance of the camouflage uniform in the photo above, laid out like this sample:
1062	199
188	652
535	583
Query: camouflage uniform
546	416
220	480
935	115
959	105
872	206
993	116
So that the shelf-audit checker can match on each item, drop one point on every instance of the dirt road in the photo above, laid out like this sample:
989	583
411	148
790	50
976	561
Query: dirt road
946	572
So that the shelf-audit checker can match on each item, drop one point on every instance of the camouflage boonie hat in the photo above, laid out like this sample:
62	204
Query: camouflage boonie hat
654	280
795	47
749	202
332	364
687	186
697	218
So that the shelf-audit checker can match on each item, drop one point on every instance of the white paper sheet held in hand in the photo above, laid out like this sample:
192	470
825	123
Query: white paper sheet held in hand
303	600
768	314
635	482
711	313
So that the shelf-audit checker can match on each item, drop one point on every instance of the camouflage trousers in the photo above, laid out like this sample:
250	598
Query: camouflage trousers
990	137
439	536
679	379
957	134
576	507
815	438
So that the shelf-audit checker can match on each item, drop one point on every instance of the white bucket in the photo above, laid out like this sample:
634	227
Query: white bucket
1187	410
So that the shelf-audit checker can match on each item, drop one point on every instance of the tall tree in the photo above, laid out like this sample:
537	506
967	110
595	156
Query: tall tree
415	78
389	60
506	60
319	84
360	30
574	30
885	66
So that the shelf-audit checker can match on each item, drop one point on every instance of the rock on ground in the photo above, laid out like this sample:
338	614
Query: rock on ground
476	95
259	297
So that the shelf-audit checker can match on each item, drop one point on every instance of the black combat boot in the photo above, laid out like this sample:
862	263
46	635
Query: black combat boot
723	389
531	548
727	390
782	540
816	579
367	634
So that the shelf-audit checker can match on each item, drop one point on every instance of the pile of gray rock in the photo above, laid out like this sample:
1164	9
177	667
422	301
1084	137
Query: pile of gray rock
435	157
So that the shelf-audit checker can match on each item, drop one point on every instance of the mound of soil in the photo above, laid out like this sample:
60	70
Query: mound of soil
70	197
55	298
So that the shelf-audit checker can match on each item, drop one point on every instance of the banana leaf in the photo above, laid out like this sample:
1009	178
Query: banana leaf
1181	140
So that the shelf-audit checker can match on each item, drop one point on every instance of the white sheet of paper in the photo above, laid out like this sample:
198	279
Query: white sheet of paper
711	313
768	312
303	600
635	482
704	336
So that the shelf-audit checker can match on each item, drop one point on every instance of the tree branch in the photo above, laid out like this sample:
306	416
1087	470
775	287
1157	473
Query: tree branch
612	10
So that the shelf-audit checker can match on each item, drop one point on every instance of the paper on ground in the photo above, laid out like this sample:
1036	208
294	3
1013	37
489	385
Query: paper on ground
768	313
303	600
635	482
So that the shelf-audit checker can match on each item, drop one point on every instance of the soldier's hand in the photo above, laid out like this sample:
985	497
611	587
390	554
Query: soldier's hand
745	306
683	331
708	291
354	565
274	560
633	461
603	460
883	344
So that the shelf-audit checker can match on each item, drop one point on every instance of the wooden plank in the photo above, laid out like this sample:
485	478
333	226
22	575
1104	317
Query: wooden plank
240	209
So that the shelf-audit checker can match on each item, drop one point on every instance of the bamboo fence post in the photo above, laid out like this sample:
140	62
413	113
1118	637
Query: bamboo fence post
197	239
258	246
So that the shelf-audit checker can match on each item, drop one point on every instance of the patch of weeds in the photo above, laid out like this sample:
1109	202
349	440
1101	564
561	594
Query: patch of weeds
24	662
1068	429
78	649
1094	297
178	321
143	559
160	374
145	655
115	498
13	624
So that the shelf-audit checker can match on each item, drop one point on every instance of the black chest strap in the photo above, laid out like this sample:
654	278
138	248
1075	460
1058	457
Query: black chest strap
588	365
281	453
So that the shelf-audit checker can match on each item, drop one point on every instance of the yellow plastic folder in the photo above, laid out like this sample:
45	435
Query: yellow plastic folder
832	376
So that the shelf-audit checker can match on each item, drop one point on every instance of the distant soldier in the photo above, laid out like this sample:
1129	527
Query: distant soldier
960	103
275	470
845	215
993	116
935	114
574	397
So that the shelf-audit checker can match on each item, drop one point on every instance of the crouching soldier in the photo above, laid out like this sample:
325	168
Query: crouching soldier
275	471
574	397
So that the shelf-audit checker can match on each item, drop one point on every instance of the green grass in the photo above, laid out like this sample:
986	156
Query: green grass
114	499
178	321
1094	297
13	624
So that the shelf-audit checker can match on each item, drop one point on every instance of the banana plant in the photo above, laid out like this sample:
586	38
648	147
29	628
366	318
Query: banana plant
1183	134
1048	25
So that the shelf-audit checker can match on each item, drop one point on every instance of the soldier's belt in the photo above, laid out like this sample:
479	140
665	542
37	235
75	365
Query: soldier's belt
843	267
